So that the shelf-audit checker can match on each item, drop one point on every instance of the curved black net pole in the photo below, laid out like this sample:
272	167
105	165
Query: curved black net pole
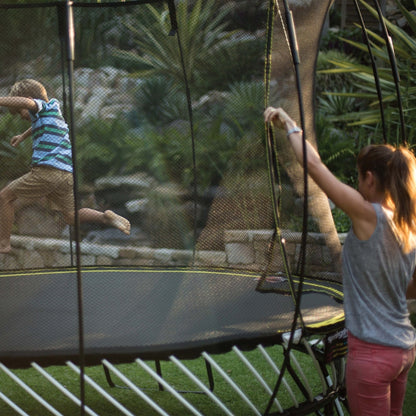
296	61
63	42
62	30
174	31
374	67
70	57
272	160
273	170
393	63
173	20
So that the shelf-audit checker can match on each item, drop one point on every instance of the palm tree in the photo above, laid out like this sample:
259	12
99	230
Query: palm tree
201	32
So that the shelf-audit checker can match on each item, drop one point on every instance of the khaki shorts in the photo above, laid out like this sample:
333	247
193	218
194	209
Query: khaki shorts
46	182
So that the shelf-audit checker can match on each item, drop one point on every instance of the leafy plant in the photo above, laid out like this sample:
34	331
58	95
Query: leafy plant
239	59
249	15
364	81
159	102
241	108
337	149
328	80
167	154
203	39
91	27
17	38
337	145
14	161
103	148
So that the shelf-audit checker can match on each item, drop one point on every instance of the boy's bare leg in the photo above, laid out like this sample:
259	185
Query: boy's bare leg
7	199
108	217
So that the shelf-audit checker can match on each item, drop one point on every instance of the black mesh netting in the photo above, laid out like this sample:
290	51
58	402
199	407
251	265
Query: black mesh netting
168	132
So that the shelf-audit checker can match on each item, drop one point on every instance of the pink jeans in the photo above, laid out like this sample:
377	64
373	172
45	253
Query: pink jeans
376	378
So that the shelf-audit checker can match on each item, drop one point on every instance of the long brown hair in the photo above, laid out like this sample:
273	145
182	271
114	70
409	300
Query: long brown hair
395	170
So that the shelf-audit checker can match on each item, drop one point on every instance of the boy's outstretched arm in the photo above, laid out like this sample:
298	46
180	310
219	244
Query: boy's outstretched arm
16	140
16	103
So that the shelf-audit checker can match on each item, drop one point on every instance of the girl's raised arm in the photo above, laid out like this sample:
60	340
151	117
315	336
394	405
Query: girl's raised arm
352	202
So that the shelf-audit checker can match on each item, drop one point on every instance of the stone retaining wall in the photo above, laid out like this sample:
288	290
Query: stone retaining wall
243	249
254	243
36	252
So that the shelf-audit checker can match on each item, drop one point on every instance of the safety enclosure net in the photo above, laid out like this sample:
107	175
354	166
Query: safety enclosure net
165	102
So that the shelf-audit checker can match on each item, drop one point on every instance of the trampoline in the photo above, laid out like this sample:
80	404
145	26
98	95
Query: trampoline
148	313
209	175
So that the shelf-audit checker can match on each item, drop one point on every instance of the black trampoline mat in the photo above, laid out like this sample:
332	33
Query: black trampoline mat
146	313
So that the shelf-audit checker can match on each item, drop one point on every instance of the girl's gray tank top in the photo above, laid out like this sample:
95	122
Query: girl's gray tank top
375	276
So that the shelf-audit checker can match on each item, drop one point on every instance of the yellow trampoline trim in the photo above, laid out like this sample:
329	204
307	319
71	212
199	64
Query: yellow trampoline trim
335	320
320	288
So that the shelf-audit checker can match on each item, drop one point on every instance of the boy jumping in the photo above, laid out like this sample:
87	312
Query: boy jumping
51	170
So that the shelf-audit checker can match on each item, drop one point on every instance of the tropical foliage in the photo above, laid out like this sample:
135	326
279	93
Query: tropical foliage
224	76
104	148
362	81
157	54
205	44
163	145
14	161
156	136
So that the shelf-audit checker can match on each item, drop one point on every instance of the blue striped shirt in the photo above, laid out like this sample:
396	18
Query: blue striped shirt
50	134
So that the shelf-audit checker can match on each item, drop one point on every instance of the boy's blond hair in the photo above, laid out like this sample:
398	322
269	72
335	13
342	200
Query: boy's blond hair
29	88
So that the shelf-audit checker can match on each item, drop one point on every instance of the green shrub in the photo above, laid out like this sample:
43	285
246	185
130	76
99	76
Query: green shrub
102	148
14	161
159	102
167	154
363	84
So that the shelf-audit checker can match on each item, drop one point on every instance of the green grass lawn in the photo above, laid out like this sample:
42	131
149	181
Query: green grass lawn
410	401
229	362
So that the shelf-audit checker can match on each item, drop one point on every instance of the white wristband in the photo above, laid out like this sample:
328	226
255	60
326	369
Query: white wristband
295	129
